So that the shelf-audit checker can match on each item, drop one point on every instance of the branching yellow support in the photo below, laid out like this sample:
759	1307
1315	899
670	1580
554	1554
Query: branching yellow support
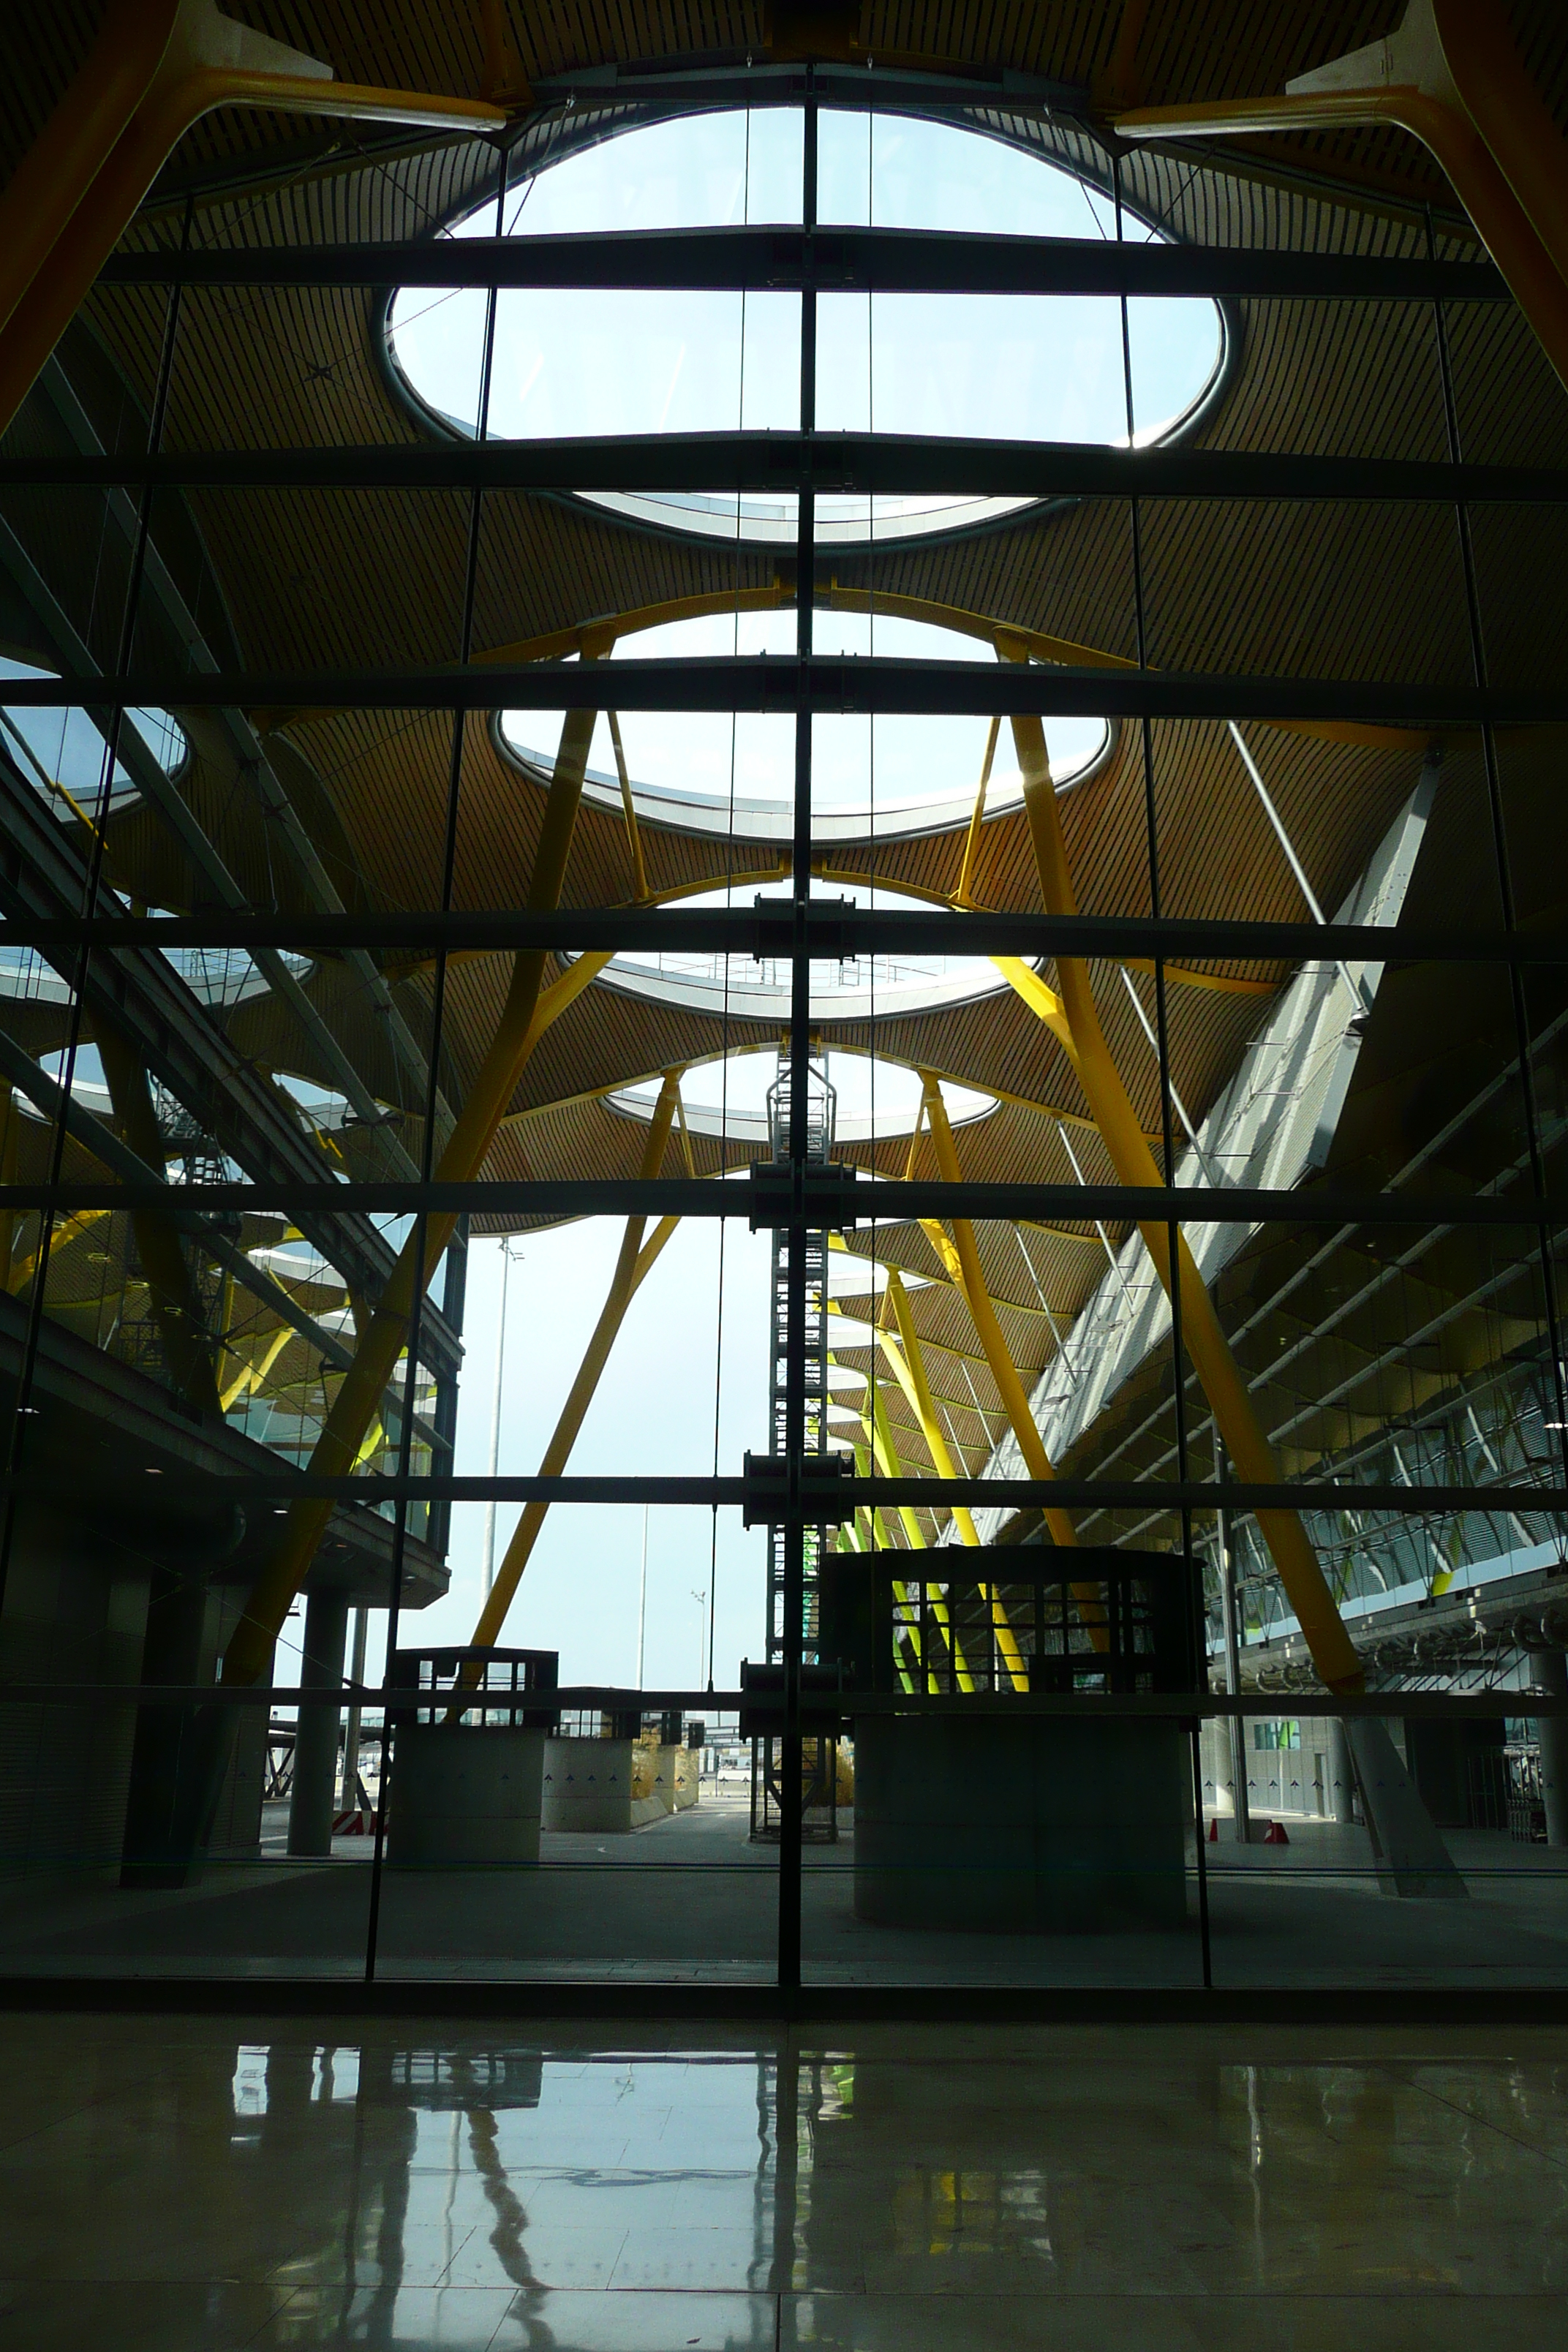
1073	1016
175	1301
1009	1386
873	1542
885	1448
21	1270
1452	76
903	1362
628	809
633	1264
972	839
358	1400
156	67
251	1376
911	1372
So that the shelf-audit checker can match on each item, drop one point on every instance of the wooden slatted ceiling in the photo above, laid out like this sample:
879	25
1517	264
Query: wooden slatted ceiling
274	367
1214	48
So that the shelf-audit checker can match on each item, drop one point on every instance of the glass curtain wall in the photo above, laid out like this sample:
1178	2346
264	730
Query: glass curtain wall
834	782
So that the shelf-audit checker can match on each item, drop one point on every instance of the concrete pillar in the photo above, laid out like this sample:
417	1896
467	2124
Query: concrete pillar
1341	1779
1040	1824
314	1792
1548	1674
156	1851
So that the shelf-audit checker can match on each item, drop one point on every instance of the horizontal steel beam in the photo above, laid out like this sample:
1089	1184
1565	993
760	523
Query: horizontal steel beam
604	1699
816	683
883	464
285	1484
830	260
827	936
875	1200
742	79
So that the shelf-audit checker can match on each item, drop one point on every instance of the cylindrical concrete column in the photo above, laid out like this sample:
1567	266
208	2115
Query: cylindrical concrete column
314	1793
1548	1672
1342	1777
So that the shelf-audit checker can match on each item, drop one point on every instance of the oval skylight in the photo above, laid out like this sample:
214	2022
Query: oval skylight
61	753
861	988
219	977
993	367
734	774
875	1099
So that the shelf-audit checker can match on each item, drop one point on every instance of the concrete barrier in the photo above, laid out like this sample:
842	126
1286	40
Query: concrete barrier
614	1785
464	1794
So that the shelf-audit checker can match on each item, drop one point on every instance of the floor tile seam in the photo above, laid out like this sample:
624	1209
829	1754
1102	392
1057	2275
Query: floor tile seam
1185	2296
1543	2156
69	2115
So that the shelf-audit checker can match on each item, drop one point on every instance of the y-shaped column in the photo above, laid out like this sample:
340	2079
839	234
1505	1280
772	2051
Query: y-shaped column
1451	76
632	1265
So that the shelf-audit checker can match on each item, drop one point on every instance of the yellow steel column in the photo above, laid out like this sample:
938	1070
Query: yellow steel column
1452	76
887	1452
852	1539
252	1375
628	810
157	70
1334	1653
1010	1388
909	1369
176	1304
78	138
911	1374
65	1230
633	1263
961	896
358	1399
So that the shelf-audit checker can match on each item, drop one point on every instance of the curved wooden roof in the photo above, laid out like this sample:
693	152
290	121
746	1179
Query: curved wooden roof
292	580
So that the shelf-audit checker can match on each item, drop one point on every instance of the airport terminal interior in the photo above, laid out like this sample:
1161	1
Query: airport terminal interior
779	780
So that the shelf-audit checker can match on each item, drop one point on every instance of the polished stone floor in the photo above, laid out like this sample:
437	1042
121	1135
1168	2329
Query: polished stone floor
190	2184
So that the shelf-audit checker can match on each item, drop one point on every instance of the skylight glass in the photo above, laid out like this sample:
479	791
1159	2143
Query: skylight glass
1039	368
734	774
860	988
876	1099
61	753
218	977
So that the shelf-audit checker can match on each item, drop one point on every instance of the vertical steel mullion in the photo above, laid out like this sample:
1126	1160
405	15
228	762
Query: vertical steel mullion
427	1144
1161	1029
20	1412
1499	851
790	1789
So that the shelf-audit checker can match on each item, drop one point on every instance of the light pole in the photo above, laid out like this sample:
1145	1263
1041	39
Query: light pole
489	1555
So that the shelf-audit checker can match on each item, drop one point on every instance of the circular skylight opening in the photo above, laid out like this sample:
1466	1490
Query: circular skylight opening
874	1099
990	367
218	977
861	988
733	774
61	753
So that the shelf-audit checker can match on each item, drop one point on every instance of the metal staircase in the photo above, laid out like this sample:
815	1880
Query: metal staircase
822	1106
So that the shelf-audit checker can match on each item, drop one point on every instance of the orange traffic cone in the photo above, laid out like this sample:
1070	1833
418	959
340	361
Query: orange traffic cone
1214	1830
1275	1835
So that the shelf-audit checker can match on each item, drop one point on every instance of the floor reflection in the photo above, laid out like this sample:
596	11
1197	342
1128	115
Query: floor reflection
173	2185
